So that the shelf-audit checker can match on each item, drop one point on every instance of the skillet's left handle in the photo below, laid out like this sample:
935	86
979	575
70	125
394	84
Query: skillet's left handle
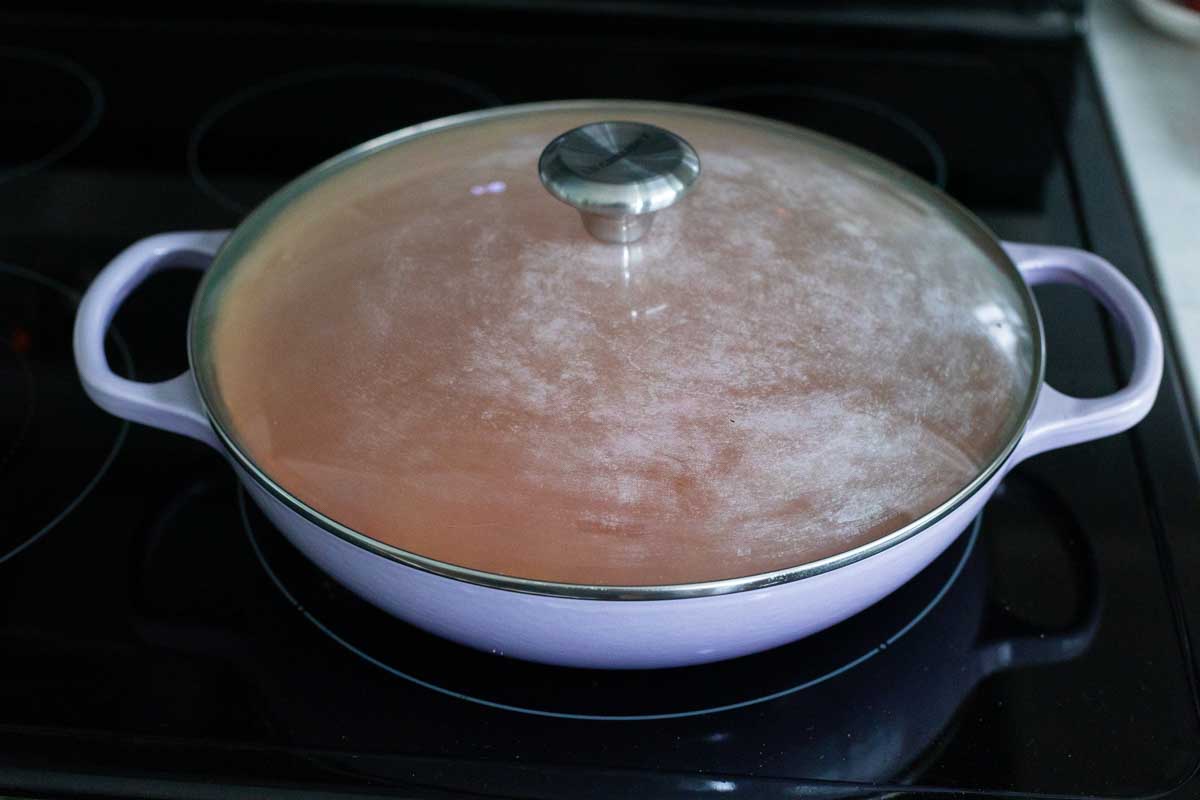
174	404
1060	419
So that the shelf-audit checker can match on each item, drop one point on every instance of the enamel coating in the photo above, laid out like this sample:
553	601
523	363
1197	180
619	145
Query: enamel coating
623	633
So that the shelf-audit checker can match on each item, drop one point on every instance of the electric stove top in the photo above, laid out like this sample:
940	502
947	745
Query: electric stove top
160	638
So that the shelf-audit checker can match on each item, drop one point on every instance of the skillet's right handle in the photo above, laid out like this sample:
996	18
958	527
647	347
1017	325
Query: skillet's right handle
172	405
1059	419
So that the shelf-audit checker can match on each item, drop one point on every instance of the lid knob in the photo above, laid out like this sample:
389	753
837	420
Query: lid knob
618	174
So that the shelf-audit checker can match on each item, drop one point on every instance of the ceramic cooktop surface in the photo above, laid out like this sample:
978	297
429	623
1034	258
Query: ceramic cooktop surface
161	637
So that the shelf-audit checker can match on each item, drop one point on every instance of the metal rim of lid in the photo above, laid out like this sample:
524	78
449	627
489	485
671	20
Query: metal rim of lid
260	219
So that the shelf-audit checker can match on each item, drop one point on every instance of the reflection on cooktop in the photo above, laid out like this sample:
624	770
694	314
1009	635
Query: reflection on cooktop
43	409
249	144
512	685
51	104
912	659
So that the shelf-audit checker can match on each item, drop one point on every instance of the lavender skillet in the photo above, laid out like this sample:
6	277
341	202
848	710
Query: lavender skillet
707	623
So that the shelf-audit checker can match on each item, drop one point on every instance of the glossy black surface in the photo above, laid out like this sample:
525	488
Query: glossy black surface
161	639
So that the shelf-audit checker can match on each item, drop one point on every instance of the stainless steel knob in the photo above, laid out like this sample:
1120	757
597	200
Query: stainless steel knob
618	175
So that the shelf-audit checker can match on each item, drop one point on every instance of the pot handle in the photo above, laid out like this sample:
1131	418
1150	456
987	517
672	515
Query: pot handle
1059	419
172	405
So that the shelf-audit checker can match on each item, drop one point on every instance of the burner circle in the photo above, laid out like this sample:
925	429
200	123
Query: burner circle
498	683
12	362
51	106
851	118
249	144
64	443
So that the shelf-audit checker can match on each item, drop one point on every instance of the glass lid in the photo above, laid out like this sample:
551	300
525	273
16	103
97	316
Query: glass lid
573	346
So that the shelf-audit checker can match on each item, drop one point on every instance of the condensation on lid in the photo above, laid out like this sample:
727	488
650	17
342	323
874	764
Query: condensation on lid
808	352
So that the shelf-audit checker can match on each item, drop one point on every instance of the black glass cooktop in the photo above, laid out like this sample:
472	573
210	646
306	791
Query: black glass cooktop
160	638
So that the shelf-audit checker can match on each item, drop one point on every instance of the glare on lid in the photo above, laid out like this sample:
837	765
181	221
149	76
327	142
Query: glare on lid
495	187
